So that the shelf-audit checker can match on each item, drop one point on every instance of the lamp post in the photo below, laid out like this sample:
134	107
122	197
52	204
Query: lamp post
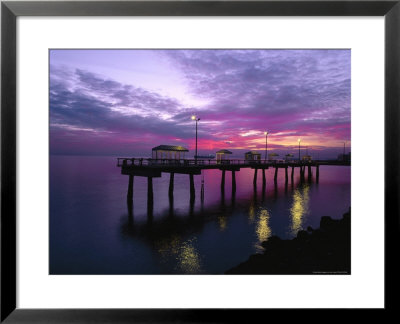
195	155
299	140
266	146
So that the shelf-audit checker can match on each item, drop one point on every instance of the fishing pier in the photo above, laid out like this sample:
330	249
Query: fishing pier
153	168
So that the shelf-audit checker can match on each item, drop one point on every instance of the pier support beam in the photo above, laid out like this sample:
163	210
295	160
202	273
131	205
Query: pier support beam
309	172
192	191
233	181
317	173
303	173
292	175
264	178
150	190
129	196
202	191
276	174
286	175
255	177
171	184
223	181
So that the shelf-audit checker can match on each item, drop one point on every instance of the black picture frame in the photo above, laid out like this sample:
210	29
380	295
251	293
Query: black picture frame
10	10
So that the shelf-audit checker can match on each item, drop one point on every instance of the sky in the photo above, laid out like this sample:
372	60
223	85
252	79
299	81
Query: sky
125	102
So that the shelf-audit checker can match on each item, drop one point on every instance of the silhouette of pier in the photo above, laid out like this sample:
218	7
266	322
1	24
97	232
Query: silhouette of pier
153	168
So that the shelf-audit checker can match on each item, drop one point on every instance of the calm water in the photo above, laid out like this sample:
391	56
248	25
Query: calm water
92	231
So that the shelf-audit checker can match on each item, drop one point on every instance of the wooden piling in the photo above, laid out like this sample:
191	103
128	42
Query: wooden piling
276	174
317	173
233	181
150	190
129	196
286	175
292	175
223	181
302	173
171	205
264	178
171	184
192	191
309	172
263	193
191	208
255	177
130	210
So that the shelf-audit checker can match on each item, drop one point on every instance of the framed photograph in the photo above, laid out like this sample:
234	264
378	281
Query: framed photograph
176	160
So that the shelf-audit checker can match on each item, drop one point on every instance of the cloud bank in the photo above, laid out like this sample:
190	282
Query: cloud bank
291	93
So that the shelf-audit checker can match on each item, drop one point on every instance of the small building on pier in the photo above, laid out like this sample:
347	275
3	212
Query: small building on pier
289	157
223	155
252	156
170	152
273	156
307	158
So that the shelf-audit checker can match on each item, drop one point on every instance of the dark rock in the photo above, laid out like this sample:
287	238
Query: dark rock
302	235
327	223
321	250
273	241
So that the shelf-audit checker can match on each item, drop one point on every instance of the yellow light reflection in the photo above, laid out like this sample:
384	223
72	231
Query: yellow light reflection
188	258
222	222
183	252
299	208
263	230
252	212
168	246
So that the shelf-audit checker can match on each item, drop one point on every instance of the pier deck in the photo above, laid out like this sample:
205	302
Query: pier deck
153	168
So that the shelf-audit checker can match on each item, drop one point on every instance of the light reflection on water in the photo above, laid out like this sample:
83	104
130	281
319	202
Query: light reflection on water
299	209
187	259
262	228
93	232
252	211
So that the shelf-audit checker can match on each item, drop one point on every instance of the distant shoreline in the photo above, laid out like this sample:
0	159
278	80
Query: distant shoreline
316	251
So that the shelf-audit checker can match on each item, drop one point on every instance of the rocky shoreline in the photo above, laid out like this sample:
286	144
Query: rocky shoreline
315	251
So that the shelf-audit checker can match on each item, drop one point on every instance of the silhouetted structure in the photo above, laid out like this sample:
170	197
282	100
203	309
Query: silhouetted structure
252	156
222	155
168	152
273	156
152	168
289	157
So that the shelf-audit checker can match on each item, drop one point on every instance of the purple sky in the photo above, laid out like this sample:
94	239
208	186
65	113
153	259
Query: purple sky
124	102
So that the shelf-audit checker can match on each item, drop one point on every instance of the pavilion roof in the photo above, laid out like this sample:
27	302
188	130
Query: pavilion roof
224	152
175	148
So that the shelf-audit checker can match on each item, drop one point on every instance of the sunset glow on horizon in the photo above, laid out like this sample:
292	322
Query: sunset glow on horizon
124	102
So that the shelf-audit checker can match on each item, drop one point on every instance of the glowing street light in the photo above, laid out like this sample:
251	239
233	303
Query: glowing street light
266	145
195	119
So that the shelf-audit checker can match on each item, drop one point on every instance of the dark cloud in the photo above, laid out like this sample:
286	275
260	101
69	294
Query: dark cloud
300	92
267	83
96	106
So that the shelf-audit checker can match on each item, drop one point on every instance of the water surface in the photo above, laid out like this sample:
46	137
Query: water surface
92	230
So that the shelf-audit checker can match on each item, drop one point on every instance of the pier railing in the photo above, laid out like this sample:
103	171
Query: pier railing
124	162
